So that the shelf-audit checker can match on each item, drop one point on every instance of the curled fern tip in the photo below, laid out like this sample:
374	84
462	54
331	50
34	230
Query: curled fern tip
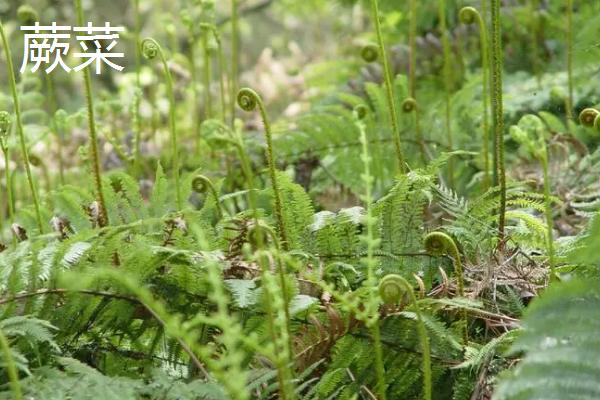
588	116
370	53
392	289
468	15
247	99
150	48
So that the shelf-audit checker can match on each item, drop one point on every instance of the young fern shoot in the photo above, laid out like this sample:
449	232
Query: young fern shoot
202	184
151	49
389	85
439	244
249	100
470	15
392	290
20	130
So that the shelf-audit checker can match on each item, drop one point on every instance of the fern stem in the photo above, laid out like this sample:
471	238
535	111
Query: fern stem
570	99
207	76
11	369
469	15
548	213
534	27
137	99
52	108
96	170
412	39
9	189
235	38
20	130
389	85
446	72
151	49
498	115
220	67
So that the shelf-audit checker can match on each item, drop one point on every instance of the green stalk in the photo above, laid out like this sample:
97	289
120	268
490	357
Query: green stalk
11	368
535	29
446	72
52	108
195	94
207	76
389	85
570	99
20	131
548	213
151	49
137	100
468	15
413	77
412	39
234	58
95	155
498	115
9	188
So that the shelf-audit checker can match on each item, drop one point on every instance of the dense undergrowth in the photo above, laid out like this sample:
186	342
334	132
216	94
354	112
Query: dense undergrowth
408	213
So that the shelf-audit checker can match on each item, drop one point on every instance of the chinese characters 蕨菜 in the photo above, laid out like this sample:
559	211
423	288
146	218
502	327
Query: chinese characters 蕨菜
46	46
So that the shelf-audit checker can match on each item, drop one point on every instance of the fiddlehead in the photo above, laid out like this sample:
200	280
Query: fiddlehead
201	184
394	289
20	130
27	15
361	111
468	16
439	244
588	116
410	105
248	100
389	86
370	53
151	50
